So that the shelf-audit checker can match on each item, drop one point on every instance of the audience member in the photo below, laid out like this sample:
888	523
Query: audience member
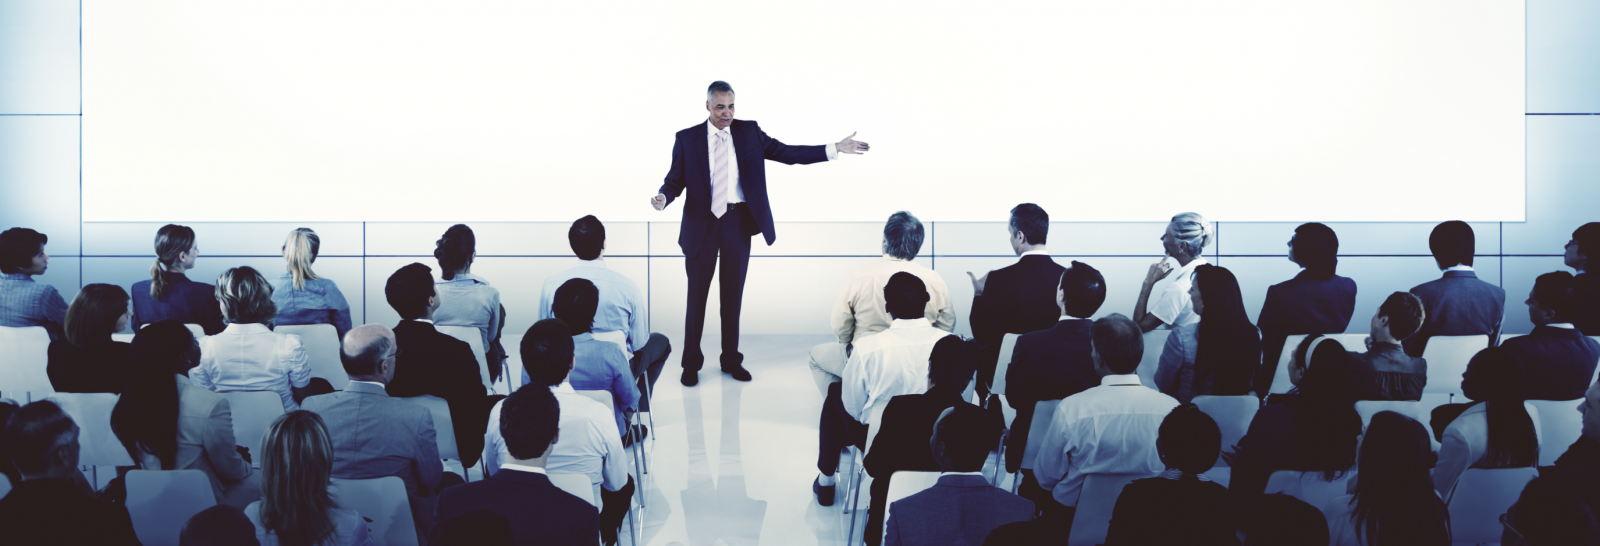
601	366
1018	298
1299	362
466	299
1558	360
1054	363
475	528
23	302
1496	430
220	525
1315	431
860	310
1032	532
1458	304
1393	502
962	508
1585	242
432	362
248	355
1579	466
296	506
300	295
1108	429
52	505
882	366
375	436
1184	240
1385	371
527	431
1182	505
1549	513
1315	301
169	294
8	470
1219	354
168	423
621	312
1282	520
86	359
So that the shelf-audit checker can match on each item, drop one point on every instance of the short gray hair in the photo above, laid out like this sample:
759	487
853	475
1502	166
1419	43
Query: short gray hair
718	86
1192	232
1119	342
902	236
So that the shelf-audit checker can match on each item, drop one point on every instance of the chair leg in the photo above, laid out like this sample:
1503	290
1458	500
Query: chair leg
855	500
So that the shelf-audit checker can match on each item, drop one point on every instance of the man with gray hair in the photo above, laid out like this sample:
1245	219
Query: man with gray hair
54	504
860	310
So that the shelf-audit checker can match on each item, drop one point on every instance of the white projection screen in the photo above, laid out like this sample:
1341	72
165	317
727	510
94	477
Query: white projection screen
509	110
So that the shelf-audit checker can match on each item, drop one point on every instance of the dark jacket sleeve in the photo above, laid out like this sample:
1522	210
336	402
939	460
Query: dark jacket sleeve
791	155
117	526
1130	522
882	455
676	178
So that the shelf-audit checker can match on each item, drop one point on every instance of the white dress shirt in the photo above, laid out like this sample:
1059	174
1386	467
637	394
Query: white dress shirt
1459	268
735	192
888	364
249	357
1109	429
1174	306
588	443
523	468
1035	252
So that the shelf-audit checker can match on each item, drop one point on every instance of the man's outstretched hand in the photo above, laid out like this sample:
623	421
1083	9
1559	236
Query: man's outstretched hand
851	146
659	201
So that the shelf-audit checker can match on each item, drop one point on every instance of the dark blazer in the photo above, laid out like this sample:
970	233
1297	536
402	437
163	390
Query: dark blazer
1558	363
1272	443
1458	304
1017	299
1387	373
691	169
1166	511
432	362
1579	469
902	444
44	512
1588	319
539	512
1302	305
186	301
1046	365
960	509
103	367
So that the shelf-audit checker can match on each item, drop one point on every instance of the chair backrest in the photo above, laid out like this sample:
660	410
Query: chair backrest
253	412
576	484
1447	358
160	502
382	500
122	338
1369	408
1043	413
903	484
1154	341
873	421
473	337
196	330
443	425
1095	502
1280	377
321	342
1480	496
1232	414
603	397
1309	486
23	361
1008	345
98	445
1560	425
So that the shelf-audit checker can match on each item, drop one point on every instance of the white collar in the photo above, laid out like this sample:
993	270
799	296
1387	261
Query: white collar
1459	268
1566	325
1189	267
1116	380
597	262
910	323
962	474
1066	317
379	385
712	129
564	387
1039	252
893	259
522	468
427	320
246	328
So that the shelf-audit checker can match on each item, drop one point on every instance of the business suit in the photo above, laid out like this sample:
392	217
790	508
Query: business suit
1272	443
960	509
1046	365
1302	305
1557	363
539	512
1458	304
375	436
1386	372
51	511
1172	510
432	362
1579	469
100	367
1016	299
704	236
902	444
1465	443
1588	310
206	443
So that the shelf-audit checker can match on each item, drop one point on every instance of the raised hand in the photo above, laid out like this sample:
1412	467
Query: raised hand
978	282
1158	271
850	145
659	201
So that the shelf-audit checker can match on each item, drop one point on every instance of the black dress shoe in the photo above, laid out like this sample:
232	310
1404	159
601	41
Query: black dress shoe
690	377
640	432
824	492
738	372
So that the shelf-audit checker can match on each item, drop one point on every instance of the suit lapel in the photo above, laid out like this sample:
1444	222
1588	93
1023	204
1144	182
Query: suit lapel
700	153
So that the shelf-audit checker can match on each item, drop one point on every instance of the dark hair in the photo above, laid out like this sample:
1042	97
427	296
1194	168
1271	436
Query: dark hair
475	528
902	236
1119	342
1305	347
952	364
1316	248
528	421
1556	292
587	237
1405	312
408	290
1588	238
37	431
968	434
1548	513
1452	243
1083	289
246	296
368	360
1282	520
454	250
219	525
1394	500
145	418
18	246
1229	345
94	312
547	352
1494	377
1032	221
718	86
1189	440
905	296
575	304
1325	416
172	241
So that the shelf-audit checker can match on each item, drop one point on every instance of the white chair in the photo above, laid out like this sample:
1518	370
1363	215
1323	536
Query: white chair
1410	408
1043	413
383	501
123	338
1447	358
443	425
1280	377
1311	487
576	484
1095	503
253	412
1232	414
1007	346
473	337
1560	425
98	445
196	330
160	502
321	343
906	483
1478	499
1154	341
605	398
22	363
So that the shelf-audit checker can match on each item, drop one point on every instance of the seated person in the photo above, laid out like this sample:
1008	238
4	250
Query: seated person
601	365
1585	242
962	508
1282	520
1385	371
52	504
1299	362
860	312
1315	301
297	506
1496	430
219	525
1054	363
169	294
1579	466
301	296
27	303
527	430
431	362
86	359
475	528
1018	298
1458	304
248	355
1549	512
1218	355
466	299
1182	506
1558	359
1393	500
1184	240
1315	432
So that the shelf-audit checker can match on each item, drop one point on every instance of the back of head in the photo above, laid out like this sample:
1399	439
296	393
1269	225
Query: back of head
547	352
905	296
145	418
529	419
1191	231
409	289
36	433
952	364
301	250
296	464
18	246
1556	292
1588	238
1405	312
1394	499
172	241
246	296
220	525
1118	342
476	528
455	250
1548	513
575	303
902	236
1229	345
1325	417
1031	221
1316	248
1282	520
364	349
587	236
94	313
1452	243
1189	440
1495	377
963	437
1083	289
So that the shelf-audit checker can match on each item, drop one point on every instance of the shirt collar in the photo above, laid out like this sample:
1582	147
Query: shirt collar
597	262
1459	268
250	328
1116	380
381	387
962	474
427	320
583	337
458	278
565	387
1566	325
1189	267
1173	474
910	323
522	468
893	259
1039	252
18	277
712	129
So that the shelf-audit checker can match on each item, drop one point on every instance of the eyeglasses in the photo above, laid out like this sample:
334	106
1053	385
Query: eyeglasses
395	354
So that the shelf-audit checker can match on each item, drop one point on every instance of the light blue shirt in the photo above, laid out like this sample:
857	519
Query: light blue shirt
25	303
468	300
1175	374
621	309
320	302
601	366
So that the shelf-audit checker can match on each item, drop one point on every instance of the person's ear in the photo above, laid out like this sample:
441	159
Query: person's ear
1383	320
574	364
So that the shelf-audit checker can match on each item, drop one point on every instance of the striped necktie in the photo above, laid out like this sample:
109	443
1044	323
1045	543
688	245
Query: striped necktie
719	176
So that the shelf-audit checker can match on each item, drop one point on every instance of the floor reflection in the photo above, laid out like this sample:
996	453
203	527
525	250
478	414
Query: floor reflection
718	507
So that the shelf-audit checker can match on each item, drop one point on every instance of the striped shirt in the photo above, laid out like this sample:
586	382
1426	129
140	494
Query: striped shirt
25	303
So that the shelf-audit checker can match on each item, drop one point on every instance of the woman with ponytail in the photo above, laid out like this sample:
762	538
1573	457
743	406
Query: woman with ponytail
296	508
1497	430
1393	503
169	294
301	296
466	299
1182	505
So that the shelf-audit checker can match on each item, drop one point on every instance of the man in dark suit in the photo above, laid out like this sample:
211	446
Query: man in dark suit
1585	243
1385	371
1458	304
539	512
721	163
1557	360
431	362
1055	363
1018	298
1579	466
53	504
1315	301
962	508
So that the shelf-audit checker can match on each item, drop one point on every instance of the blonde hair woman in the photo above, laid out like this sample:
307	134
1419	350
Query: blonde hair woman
169	294
301	296
1184	240
296	508
248	355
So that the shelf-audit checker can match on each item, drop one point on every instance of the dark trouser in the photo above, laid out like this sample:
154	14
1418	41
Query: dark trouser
614	507
728	237
496	352
1017	440
1444	415
1029	489
650	358
836	430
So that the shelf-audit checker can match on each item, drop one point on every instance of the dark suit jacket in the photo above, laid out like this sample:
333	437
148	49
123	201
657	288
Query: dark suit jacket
539	512
1558	363
1579	469
1458	304
691	169
902	444
961	509
1588	319
103	367
185	301
1272	443
44	512
1302	305
432	362
1017	299
1046	365
1164	511
1387	373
